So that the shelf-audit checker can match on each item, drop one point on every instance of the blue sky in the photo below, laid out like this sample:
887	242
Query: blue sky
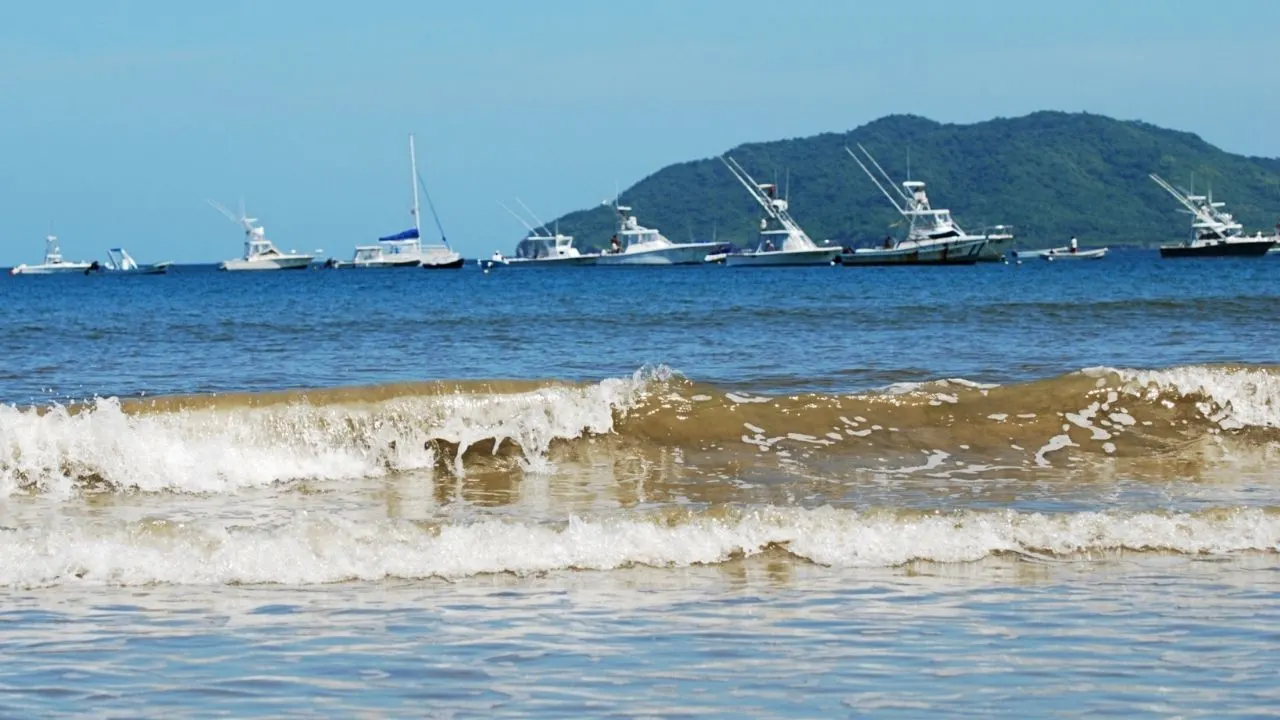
118	118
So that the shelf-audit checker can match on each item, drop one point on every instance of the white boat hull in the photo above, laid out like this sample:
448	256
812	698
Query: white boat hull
160	268
691	254
50	269
955	253
1060	254
996	248
551	261
777	258
375	264
288	262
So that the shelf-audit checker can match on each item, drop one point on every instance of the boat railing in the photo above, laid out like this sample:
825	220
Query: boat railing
995	230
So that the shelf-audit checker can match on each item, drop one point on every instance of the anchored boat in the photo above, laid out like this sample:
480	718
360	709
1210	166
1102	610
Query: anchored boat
259	252
1215	233
541	248
404	249
1070	251
119	261
933	237
53	262
782	241
634	244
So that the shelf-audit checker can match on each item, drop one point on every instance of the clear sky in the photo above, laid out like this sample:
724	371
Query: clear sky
119	117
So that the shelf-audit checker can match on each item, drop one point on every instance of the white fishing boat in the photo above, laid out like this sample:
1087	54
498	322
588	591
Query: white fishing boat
999	241
1215	233
933	236
259	252
781	241
634	244
53	262
542	248
119	261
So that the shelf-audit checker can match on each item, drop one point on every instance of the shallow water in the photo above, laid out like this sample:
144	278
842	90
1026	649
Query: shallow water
1027	490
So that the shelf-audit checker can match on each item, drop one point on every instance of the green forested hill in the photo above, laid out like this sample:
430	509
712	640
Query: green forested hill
1049	174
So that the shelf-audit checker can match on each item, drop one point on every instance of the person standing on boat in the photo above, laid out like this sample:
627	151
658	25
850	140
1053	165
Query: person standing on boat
614	246
1073	244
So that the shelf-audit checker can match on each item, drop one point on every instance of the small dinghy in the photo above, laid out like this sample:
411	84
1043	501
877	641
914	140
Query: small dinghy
1070	251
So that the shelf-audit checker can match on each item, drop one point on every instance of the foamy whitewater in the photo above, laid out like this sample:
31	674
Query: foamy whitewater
886	493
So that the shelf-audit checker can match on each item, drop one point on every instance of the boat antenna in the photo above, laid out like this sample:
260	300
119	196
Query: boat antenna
893	201
787	193
750	184
908	162
533	215
888	180
413	161
532	229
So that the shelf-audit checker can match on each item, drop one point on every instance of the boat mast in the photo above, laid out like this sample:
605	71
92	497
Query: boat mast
413	181
417	179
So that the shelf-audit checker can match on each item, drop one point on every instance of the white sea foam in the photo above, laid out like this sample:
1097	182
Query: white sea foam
311	550
1240	397
222	449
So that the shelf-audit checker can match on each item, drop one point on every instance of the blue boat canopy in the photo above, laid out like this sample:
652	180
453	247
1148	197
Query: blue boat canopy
410	234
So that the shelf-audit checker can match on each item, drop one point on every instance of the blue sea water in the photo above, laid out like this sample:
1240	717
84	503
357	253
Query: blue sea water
199	331
734	491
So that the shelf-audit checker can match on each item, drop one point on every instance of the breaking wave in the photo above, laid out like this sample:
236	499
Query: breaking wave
312	550
214	444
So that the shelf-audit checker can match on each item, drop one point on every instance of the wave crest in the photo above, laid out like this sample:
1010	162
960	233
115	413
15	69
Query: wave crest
223	443
309	550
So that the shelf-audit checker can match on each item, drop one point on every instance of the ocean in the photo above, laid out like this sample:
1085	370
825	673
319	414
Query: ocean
1035	490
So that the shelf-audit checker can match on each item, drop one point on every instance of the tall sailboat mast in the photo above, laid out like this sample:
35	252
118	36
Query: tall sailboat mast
413	181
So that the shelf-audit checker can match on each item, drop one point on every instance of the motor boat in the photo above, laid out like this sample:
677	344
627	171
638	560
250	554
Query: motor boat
781	240
1214	232
933	236
119	261
1070	251
542	247
53	262
259	252
635	244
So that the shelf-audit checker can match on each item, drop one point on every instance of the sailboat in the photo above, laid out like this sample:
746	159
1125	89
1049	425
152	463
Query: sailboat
404	249
1215	232
53	262
434	257
933	237
781	240
259	252
635	244
542	248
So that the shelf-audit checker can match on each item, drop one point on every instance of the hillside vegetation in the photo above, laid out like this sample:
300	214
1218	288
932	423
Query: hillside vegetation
1049	174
